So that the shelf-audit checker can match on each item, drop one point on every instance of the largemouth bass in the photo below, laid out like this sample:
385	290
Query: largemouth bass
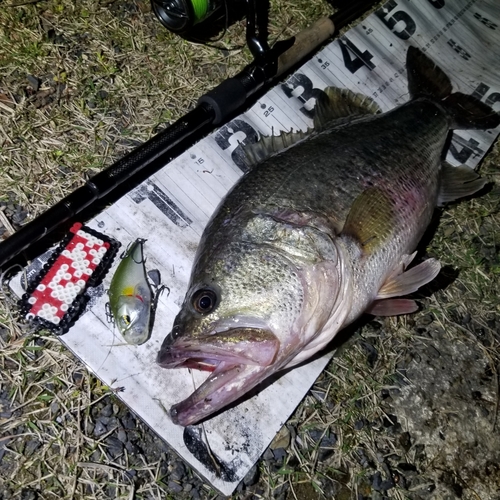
315	235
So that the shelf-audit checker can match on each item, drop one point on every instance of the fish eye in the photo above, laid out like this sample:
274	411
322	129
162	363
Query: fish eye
126	319
204	300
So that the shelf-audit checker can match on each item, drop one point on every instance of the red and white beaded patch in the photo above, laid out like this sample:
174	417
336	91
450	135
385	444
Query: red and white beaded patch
54	301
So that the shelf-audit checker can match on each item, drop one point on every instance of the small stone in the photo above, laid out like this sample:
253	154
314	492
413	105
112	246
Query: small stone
279	454
128	421
4	333
316	434
19	217
326	447
110	491
122	436
386	485
376	481
268	455
107	411
132	448
34	82
113	422
195	494
187	487
174	486
359	424
252	476
115	446
177	471
102	94
103	420
77	378
282	439
100	429
31	446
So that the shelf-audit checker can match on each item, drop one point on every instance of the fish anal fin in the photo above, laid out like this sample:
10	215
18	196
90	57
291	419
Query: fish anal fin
392	307
458	182
371	219
409	281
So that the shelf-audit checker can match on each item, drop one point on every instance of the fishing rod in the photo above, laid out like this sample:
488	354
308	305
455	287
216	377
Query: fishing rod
213	109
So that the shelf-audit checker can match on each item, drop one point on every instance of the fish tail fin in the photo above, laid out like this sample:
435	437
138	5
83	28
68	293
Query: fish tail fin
427	79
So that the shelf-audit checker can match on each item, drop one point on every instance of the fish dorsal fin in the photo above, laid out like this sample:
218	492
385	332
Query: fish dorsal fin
425	78
371	219
335	104
458	182
270	145
409	281
334	107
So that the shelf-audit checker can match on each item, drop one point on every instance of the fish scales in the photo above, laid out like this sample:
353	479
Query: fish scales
321	179
315	235
398	151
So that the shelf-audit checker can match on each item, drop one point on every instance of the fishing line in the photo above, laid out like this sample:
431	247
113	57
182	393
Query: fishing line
205	436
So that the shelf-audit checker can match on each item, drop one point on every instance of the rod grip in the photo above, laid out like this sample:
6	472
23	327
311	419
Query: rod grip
306	41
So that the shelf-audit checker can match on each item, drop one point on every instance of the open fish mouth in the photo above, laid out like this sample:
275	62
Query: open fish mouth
238	359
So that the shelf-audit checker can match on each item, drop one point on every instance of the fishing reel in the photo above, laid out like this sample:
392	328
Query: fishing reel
199	20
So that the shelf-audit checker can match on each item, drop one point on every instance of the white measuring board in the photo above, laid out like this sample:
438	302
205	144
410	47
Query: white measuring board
171	209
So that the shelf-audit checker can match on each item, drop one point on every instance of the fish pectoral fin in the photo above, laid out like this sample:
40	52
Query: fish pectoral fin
409	281
406	260
392	307
371	219
458	182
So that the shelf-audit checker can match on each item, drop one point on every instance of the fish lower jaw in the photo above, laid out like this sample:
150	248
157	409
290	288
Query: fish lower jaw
225	385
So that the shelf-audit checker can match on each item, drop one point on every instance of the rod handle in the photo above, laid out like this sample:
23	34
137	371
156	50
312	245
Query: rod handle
305	42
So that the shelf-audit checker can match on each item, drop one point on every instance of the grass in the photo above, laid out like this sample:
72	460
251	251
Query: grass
108	76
